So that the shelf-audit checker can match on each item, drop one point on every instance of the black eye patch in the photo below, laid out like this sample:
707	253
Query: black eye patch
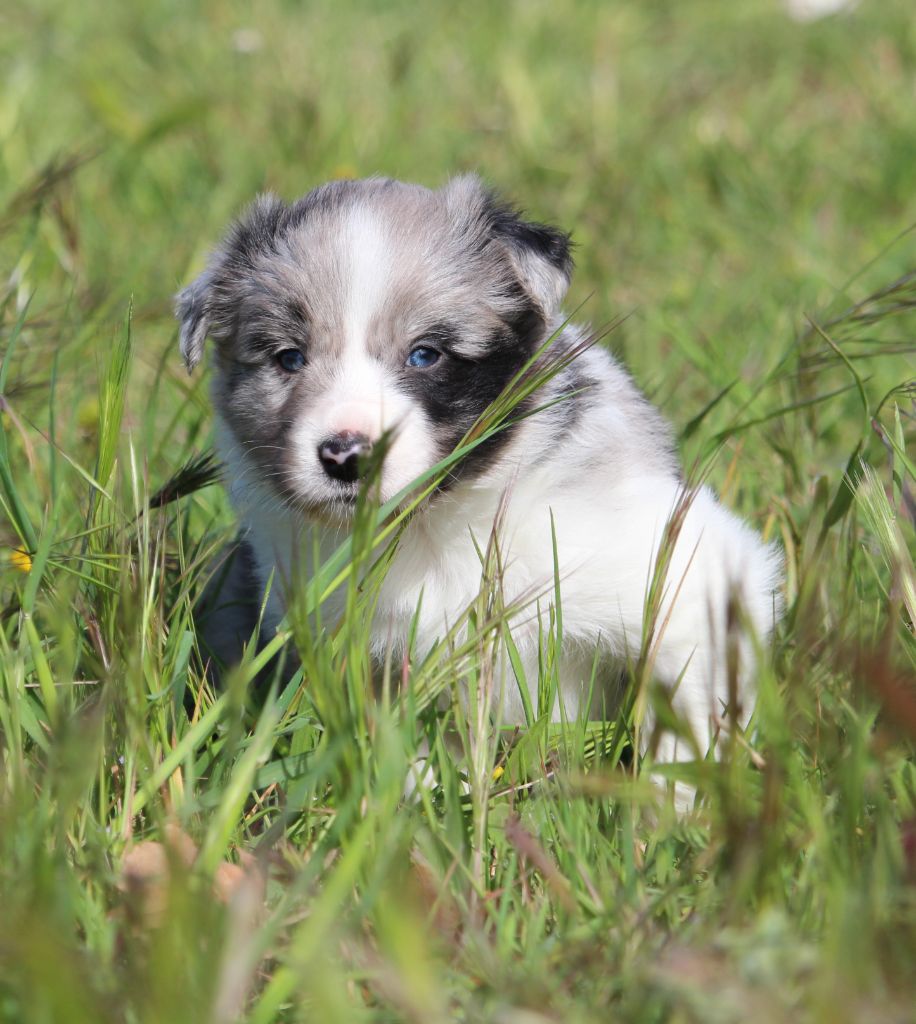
461	386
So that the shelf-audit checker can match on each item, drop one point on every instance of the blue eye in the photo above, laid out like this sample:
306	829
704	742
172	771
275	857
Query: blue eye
291	359
421	357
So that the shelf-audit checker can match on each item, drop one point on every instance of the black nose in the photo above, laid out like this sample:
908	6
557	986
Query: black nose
343	456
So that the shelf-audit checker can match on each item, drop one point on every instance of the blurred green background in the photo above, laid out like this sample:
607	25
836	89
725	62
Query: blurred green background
741	186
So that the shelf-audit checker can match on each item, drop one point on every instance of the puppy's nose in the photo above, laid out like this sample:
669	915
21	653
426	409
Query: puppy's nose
343	456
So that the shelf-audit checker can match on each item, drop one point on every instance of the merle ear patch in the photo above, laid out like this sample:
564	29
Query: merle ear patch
542	240
191	309
253	233
256	230
540	254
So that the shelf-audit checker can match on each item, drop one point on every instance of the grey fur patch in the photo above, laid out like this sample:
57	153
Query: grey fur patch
454	265
191	311
457	250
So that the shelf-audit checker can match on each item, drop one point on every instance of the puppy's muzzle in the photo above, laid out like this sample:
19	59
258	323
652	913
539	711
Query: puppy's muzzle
343	456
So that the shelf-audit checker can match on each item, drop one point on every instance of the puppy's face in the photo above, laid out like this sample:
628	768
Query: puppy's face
368	308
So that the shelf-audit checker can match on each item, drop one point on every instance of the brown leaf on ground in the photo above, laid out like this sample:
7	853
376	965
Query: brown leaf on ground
148	869
229	880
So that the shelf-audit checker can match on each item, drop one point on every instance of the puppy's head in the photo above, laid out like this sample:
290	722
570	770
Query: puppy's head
367	307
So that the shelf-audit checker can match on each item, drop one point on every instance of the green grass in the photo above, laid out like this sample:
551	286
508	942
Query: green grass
743	190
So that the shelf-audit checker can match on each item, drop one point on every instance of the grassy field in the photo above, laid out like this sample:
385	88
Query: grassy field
740	186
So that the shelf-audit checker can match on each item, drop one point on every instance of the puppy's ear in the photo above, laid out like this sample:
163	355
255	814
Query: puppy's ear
197	308
539	254
192	311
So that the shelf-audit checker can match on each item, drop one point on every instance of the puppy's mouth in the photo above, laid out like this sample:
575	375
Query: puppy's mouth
335	507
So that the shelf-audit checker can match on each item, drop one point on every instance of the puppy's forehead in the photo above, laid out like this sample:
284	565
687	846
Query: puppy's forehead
371	267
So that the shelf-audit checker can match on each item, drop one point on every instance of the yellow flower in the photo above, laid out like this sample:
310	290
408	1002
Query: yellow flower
21	560
498	772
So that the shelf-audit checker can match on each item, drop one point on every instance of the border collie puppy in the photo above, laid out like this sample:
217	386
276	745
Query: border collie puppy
375	306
